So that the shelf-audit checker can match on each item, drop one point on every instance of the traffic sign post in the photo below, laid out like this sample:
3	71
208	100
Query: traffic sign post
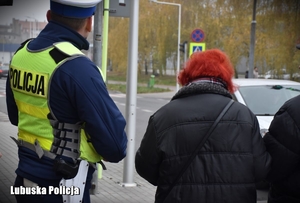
183	49
298	43
120	8
194	47
197	35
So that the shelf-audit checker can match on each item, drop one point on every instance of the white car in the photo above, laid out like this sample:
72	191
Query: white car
264	97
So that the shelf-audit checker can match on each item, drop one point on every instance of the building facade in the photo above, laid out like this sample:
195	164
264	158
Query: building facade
11	36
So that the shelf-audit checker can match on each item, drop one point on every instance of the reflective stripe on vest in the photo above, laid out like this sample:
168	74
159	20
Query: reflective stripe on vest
30	75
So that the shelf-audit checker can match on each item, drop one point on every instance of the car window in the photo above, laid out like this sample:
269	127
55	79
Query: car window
266	100
4	67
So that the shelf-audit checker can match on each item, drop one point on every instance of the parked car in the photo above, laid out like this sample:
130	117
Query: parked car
4	70
264	97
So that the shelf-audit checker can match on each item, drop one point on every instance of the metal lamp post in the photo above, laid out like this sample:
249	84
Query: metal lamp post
252	41
178	47
3	54
34	27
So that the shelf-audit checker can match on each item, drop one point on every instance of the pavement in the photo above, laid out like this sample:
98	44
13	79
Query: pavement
111	188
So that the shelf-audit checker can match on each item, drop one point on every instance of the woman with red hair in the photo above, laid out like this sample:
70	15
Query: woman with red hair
212	64
191	161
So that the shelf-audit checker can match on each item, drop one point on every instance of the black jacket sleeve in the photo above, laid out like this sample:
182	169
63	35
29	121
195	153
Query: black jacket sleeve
262	159
147	159
283	141
11	105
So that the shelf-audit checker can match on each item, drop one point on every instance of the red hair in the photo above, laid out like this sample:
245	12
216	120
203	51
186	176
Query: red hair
210	63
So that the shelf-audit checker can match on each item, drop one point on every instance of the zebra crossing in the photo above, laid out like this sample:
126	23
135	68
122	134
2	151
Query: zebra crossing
116	95
121	95
113	95
2	93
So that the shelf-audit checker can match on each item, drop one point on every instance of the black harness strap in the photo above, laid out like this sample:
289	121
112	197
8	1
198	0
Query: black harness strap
22	45
57	55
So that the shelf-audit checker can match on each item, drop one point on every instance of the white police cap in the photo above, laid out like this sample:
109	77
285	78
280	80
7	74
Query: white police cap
74	8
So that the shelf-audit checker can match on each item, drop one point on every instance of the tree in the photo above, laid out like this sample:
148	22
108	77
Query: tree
226	24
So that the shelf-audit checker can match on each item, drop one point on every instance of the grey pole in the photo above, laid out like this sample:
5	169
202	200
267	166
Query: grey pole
97	39
178	47
185	51
131	90
97	59
252	41
178	43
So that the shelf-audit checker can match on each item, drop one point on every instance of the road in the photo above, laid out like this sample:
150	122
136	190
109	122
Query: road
146	105
2	95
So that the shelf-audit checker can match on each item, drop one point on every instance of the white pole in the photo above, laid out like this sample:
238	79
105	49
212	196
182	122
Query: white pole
128	169
38	29
178	43
30	29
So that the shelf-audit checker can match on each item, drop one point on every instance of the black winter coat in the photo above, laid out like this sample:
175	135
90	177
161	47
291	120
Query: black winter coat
283	144
228	165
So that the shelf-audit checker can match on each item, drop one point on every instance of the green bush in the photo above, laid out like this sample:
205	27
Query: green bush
140	89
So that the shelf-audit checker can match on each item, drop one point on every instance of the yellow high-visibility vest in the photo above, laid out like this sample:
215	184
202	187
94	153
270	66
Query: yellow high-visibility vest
30	74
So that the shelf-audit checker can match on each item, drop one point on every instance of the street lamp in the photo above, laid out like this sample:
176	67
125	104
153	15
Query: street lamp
178	47
34	28
3	54
252	41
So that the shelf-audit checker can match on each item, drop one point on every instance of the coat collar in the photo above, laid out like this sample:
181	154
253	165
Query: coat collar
201	88
56	32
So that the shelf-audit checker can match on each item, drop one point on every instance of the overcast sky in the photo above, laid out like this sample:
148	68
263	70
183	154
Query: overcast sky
24	9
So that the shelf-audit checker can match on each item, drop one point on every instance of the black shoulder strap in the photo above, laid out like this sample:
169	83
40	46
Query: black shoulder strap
22	45
199	146
57	55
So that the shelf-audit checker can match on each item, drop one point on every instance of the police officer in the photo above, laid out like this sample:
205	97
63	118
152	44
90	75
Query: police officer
59	101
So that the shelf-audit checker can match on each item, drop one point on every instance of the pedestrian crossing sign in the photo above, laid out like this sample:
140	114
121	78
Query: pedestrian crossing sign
194	47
